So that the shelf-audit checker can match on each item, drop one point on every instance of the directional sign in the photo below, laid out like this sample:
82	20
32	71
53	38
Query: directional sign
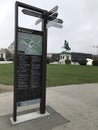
57	25
59	21
52	11
52	16
32	13
38	21
54	24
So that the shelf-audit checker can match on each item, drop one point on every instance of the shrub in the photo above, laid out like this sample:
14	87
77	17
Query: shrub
67	61
82	61
48	60
95	62
1	59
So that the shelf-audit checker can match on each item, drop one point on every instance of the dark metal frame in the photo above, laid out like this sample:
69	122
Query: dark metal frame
44	54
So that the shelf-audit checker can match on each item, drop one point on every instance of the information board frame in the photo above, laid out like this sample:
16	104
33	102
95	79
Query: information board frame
44	54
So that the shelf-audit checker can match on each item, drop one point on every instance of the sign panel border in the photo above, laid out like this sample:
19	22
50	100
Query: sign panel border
44	54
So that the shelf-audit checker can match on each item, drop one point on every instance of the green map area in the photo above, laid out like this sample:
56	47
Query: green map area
29	44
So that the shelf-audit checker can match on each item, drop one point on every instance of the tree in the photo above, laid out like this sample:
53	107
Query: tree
48	60
68	61
82	61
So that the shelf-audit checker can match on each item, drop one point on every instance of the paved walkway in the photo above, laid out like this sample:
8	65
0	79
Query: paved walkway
77	103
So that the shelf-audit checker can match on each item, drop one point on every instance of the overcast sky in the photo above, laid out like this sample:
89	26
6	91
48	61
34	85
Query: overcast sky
80	27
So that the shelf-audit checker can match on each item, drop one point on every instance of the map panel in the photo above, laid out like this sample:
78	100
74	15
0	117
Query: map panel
30	44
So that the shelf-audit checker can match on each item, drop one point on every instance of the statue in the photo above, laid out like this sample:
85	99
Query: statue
66	46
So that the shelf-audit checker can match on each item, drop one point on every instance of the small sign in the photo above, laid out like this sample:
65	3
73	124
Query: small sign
53	10
32	13
52	16
38	21
54	24
59	21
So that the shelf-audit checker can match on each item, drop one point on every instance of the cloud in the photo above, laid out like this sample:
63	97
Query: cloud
80	23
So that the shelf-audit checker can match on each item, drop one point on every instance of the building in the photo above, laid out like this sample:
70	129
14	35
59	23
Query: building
64	56
11	48
2	54
76	56
54	57
5	54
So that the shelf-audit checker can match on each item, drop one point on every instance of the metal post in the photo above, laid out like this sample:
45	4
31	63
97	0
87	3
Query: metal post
15	63
44	60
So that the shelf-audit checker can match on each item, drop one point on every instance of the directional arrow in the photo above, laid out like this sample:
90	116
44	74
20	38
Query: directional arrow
32	13
57	25
52	11
52	16
59	21
38	21
54	24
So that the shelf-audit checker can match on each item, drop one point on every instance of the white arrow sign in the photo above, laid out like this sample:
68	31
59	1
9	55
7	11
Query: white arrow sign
38	21
54	24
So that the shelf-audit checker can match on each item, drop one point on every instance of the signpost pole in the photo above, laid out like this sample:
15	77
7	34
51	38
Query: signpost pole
15	64
44	55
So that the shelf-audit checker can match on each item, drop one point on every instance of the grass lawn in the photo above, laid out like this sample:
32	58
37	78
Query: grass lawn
71	74
57	74
6	74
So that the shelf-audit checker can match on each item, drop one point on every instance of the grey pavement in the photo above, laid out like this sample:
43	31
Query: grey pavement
77	103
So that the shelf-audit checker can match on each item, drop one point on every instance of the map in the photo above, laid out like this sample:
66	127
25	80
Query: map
29	44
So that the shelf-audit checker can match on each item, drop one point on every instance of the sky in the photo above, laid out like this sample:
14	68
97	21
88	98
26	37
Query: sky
80	28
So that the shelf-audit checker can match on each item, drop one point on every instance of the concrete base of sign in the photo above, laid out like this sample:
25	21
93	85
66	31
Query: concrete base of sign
27	117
